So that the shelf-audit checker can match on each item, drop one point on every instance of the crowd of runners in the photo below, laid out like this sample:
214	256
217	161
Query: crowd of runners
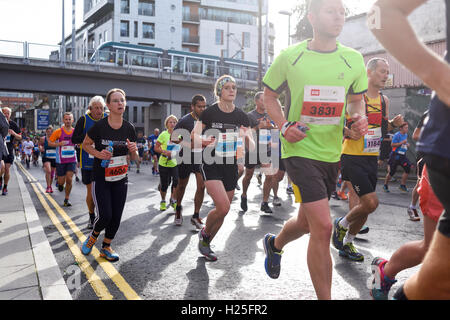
333	134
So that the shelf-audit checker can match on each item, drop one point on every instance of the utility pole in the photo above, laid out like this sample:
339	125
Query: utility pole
63	42
260	44
74	54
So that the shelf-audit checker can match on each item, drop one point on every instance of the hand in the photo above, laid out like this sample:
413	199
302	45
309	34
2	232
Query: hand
132	147
11	132
354	135
360	124
398	120
63	143
208	141
293	134
105	155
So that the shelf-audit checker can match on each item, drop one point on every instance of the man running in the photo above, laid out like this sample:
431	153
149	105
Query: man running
96	112
14	134
261	123
432	281
359	161
398	158
154	155
140	142
311	157
188	122
66	159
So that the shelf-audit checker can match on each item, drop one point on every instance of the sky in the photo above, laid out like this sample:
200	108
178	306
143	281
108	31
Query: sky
39	21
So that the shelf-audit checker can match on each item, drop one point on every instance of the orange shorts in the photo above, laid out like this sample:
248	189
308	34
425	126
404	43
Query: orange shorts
429	203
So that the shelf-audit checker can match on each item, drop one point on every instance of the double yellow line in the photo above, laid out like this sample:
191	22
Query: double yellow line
94	280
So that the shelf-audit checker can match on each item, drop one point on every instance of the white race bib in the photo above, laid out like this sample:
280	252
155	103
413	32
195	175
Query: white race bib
323	105
226	144
67	152
372	141
264	136
173	148
117	169
50	153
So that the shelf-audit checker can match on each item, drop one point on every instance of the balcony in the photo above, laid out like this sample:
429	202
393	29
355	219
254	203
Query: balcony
191	40
191	18
96	10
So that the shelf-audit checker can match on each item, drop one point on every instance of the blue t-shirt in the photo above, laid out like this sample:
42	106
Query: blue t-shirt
399	137
153	139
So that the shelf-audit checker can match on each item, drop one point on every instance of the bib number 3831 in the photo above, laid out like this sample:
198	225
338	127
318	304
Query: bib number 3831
323	105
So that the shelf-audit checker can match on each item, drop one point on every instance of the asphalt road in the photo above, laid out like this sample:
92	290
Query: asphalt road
160	261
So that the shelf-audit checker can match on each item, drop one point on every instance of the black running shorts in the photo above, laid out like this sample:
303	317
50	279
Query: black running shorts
361	171
227	173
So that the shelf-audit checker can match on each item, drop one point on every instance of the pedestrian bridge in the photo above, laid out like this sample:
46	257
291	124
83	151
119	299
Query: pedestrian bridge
24	73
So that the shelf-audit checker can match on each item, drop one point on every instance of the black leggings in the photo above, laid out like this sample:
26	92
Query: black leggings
109	199
439	173
167	174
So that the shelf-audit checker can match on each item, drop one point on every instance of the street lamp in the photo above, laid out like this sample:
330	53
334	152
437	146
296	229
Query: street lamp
289	14
169	69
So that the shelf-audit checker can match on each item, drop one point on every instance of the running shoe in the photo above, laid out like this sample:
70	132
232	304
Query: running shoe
67	203
342	195
4	191
276	202
265	207
109	254
162	206
86	248
244	206
338	234
349	251
381	284
47	190
173	203
50	189
197	222
364	230
385	188
272	263
413	215
403	188
204	246
259	178
289	190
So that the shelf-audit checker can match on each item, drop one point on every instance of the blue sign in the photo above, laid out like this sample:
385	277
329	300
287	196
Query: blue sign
43	119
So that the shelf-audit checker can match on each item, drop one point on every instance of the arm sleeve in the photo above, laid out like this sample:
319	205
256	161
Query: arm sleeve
55	135
78	133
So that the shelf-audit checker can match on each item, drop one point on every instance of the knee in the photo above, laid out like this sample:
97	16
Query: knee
223	208
370	204
323	233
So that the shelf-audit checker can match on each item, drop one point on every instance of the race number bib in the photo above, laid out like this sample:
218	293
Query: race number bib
227	144
323	105
402	149
117	169
372	141
8	138
67	152
264	136
50	153
173	148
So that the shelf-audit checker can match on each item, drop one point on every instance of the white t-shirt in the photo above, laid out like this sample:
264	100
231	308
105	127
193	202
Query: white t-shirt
28	147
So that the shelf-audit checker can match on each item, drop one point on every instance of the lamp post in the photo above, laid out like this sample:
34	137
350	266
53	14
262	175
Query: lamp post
170	86
289	14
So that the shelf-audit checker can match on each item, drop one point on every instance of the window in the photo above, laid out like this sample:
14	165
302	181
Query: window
100	38
124	6
135	111
224	53
105	36
148	30
219	37
146	8
124	28
135	29
246	39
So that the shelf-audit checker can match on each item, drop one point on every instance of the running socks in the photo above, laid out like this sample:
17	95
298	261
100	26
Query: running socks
272	245
91	217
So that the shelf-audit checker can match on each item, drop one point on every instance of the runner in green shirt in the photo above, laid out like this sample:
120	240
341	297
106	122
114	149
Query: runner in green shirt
322	79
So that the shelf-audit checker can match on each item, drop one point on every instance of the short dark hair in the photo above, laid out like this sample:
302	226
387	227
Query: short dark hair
110	92
197	98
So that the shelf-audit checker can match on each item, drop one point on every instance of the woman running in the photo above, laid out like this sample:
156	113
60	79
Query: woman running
168	170
109	187
223	124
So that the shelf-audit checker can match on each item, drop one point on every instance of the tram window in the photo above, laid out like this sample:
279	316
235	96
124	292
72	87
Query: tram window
209	68
178	64
194	65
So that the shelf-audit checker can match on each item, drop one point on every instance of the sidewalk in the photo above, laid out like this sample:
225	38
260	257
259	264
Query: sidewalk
28	269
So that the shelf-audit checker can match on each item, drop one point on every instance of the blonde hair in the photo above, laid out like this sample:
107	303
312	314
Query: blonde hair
168	118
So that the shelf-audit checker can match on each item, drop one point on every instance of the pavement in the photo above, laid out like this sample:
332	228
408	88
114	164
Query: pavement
28	268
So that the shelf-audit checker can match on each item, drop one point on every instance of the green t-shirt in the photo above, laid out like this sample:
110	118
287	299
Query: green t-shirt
164	139
317	85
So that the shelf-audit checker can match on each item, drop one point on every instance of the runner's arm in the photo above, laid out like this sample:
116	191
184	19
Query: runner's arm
389	15
78	135
88	147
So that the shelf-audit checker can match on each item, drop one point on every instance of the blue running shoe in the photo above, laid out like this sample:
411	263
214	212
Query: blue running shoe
364	230
86	248
109	254
385	188
338	234
349	251
381	284
273	258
